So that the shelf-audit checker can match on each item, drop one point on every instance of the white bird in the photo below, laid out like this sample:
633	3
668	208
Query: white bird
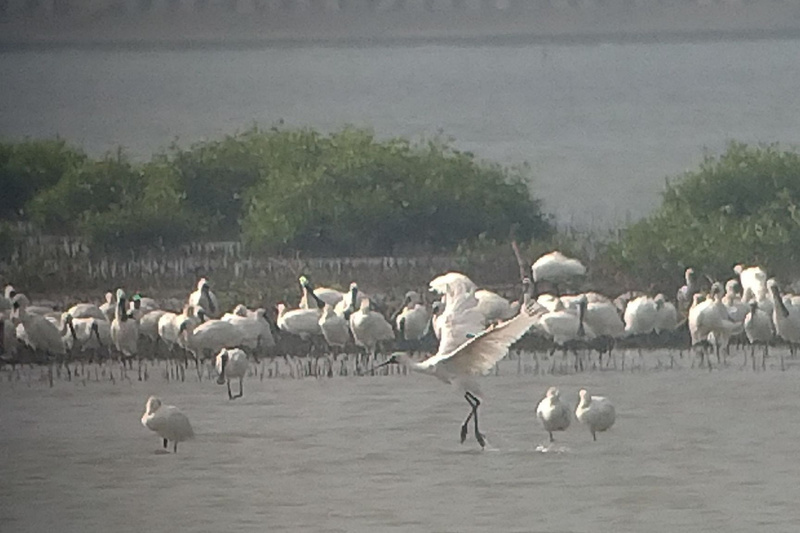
452	282
732	300
39	333
203	297
208	338
317	297
350	302
554	415
640	316
109	308
563	325
785	316
758	328
124	329
254	329
301	322
473	358
597	412
667	315
709	321
335	328
87	333
685	295
85	310
494	307
169	325
555	268
148	324
370	327
603	319
231	364
6	300
460	319
753	278
167	421
412	321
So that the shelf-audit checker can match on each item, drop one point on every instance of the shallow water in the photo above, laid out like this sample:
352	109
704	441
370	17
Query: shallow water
690	451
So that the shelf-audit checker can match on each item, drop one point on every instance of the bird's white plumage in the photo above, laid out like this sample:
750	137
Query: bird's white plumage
758	325
494	307
254	330
205	298
596	412
555	267
301	322
39	333
640	316
413	319
124	329
562	325
785	316
208	338
85	310
481	353
231	364
552	413
666	315
753	278
335	328
167	421
148	323
369	327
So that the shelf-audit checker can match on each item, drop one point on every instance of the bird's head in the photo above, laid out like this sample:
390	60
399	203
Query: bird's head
10	292
304	282
185	326
553	392
153	403
585	397
394	359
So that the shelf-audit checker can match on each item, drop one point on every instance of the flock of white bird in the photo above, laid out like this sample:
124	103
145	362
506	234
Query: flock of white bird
473	329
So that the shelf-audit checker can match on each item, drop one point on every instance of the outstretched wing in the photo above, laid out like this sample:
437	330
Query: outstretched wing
480	353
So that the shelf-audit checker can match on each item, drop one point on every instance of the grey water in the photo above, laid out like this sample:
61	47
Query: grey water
601	126
691	450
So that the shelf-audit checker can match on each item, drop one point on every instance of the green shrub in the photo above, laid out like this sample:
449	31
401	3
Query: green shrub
29	167
740	207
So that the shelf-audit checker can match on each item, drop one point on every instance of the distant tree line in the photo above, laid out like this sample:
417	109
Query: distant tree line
276	190
283	191
738	207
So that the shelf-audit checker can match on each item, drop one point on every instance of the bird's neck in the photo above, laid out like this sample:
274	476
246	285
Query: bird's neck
406	360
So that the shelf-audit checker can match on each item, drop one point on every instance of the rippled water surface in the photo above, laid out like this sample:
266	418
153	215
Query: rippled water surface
691	451
601	125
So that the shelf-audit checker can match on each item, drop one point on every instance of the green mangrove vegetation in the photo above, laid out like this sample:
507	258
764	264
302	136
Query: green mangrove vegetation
279	191
287	191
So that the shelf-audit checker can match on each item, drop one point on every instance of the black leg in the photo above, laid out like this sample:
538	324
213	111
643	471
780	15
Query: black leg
475	404
165	444
175	447
469	417
230	395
